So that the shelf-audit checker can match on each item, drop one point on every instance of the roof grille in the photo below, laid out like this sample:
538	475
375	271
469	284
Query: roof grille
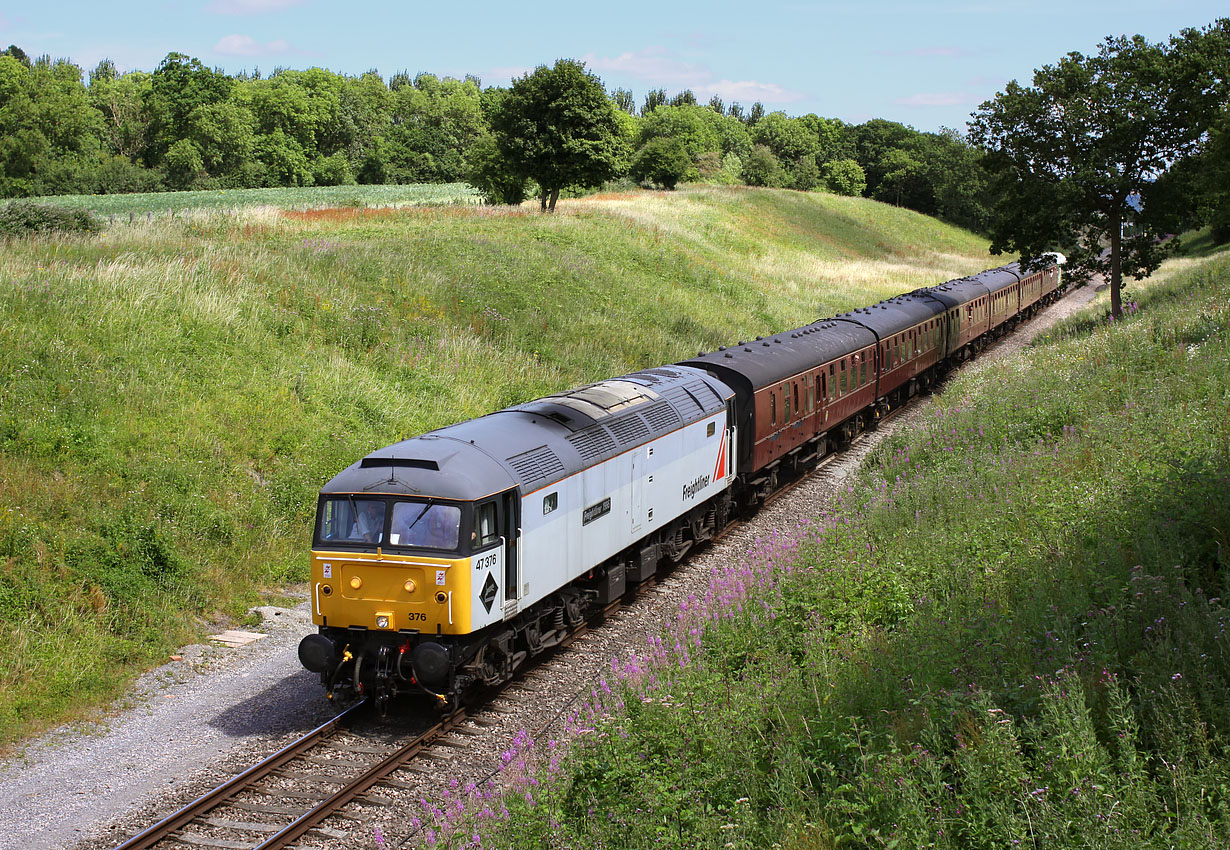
629	429
592	443
662	417
536	464
683	401
700	389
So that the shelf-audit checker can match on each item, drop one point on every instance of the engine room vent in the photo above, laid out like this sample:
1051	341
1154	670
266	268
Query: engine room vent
592	443
662	417
629	429
536	465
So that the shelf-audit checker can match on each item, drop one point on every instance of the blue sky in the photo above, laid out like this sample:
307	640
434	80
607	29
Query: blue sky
927	64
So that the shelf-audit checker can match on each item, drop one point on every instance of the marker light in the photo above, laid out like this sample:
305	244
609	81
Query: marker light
356	582
382	622
409	585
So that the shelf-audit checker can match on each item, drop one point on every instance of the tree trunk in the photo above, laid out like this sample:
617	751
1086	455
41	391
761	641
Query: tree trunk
1116	273
554	197
542	201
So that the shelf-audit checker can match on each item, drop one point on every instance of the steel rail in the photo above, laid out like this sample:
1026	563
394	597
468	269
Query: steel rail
174	822
360	784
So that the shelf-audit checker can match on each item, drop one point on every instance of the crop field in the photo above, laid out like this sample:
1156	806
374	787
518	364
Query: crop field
120	207
173	394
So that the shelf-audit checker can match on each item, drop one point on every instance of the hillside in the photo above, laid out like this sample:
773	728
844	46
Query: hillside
173	394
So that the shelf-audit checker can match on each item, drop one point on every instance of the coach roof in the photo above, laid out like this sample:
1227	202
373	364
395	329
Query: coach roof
768	360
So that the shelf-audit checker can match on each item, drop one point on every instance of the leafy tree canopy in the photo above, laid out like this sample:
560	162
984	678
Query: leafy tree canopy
1072	153
557	127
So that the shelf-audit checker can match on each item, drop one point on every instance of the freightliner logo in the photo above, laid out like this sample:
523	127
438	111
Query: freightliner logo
690	490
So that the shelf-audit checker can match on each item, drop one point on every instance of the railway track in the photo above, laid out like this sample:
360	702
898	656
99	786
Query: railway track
290	794
275	803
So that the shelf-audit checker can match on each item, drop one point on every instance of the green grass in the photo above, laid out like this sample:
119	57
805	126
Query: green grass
1009	633
159	203
173	395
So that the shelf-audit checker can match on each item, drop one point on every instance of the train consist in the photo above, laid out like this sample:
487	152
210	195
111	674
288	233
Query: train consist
442	563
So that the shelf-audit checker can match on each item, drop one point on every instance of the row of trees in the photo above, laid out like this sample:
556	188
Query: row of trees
188	126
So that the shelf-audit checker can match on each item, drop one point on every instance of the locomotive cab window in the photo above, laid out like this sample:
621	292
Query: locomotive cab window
549	503
486	528
352	520
711	430
427	525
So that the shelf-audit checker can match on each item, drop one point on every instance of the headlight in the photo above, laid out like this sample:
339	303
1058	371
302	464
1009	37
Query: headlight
382	622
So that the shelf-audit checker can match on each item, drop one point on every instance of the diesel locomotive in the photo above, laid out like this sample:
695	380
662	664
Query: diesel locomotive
440	564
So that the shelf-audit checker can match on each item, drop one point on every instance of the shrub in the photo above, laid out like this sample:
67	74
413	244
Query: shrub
763	169
804	174
117	175
489	173
184	164
18	218
844	177
663	161
332	171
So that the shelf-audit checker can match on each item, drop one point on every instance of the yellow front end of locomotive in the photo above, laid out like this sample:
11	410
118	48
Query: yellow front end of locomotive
391	593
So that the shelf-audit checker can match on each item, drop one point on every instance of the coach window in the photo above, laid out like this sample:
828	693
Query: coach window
785	405
797	409
772	407
845	387
832	382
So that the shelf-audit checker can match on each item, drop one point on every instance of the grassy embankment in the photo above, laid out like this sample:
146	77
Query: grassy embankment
173	395
1011	632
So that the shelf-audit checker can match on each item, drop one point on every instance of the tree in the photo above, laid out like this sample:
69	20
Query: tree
558	128
121	102
624	100
663	161
433	124
178	86
684	98
653	99
1070	155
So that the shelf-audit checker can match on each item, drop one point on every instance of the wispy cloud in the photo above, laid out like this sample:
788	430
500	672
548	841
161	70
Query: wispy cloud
748	90
658	66
939	99
245	45
250	7
506	72
936	52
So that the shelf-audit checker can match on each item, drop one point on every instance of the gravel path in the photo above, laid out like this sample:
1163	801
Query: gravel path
193	723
